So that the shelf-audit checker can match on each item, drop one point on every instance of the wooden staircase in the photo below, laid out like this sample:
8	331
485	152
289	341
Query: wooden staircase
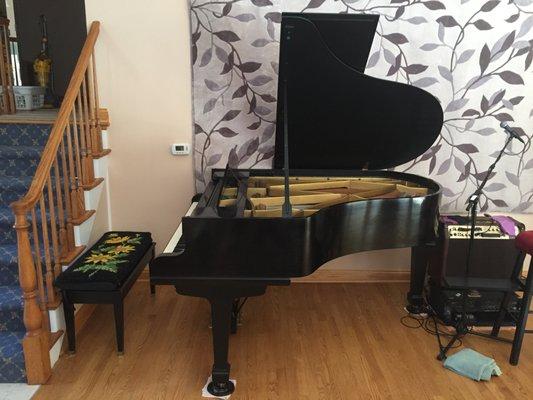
47	216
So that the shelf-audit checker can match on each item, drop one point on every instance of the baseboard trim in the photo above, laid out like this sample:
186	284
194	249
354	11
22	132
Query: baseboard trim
338	276
83	315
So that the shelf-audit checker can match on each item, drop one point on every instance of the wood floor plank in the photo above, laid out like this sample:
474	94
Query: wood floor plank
303	342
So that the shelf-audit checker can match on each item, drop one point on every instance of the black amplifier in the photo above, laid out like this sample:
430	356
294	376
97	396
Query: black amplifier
494	255
482	307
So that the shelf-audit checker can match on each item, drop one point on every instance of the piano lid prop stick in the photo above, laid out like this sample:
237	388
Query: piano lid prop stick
287	207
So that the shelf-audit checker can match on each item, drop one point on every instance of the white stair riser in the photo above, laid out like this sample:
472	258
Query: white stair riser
82	232
100	167
105	140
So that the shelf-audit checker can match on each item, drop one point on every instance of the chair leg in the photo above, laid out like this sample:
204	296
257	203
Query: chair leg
501	314
522	320
68	309
520	328
119	324
152	289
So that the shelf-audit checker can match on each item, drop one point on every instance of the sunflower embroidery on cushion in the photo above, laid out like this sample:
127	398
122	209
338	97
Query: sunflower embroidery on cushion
108	255
114	239
98	258
123	248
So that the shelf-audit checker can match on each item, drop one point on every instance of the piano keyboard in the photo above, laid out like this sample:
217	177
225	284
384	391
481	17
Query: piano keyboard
177	235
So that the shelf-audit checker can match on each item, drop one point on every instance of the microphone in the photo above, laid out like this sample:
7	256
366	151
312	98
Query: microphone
511	132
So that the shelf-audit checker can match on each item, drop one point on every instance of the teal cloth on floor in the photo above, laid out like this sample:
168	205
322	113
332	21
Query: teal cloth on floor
473	365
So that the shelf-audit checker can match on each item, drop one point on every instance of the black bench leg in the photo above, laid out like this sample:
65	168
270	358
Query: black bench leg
119	324
152	289
68	309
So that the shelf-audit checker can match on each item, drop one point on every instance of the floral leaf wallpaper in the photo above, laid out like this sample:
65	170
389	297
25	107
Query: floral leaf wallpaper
474	56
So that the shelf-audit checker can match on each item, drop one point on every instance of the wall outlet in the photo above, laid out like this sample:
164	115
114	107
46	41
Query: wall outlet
180	149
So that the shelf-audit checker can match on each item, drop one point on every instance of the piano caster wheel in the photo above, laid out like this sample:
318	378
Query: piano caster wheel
221	389
416	309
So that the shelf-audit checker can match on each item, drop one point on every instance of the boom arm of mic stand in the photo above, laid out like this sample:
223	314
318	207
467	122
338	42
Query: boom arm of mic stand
474	197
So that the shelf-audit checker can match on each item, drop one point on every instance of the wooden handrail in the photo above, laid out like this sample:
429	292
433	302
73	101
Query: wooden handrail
26	203
54	203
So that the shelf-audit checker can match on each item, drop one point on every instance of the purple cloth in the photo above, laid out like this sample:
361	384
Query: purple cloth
447	220
507	224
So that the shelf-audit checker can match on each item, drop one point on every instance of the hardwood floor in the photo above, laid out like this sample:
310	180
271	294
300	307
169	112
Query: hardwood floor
312	341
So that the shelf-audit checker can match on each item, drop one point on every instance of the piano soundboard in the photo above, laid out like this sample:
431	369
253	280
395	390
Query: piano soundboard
308	195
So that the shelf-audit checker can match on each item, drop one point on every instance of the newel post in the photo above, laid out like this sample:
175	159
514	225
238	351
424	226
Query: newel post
36	342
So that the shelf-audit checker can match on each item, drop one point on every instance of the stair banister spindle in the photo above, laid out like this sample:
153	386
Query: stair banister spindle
67	193
91	113
79	150
87	126
96	102
60	207
40	279
49	275
87	159
56	267
9	89
6	70
74	164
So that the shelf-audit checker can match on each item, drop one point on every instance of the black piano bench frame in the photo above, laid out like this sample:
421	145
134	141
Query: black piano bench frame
115	297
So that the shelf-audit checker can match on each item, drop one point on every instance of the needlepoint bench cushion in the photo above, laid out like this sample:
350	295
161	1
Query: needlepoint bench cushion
107	264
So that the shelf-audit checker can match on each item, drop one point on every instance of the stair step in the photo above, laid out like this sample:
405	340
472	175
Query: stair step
24	134
7	233
12	367
8	265
13	188
9	262
19	160
11	309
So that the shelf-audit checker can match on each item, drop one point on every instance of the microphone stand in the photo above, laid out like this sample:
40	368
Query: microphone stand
462	326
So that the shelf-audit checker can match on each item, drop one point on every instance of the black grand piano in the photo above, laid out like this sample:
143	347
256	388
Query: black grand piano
329	193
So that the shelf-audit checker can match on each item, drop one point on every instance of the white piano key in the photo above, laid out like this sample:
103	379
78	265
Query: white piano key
177	235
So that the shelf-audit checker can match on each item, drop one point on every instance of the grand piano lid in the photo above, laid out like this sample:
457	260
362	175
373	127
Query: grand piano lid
338	117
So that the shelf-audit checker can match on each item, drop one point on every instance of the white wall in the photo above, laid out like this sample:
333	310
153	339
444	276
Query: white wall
144	78
143	61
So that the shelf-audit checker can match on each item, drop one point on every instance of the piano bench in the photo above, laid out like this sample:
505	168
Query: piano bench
104	274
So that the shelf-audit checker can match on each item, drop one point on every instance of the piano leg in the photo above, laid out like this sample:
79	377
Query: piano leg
221	294
221	310
419	263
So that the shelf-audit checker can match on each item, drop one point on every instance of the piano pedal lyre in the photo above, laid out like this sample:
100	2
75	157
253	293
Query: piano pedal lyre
236	314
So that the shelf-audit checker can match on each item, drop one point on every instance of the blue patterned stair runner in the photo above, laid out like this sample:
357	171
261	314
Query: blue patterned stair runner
20	150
